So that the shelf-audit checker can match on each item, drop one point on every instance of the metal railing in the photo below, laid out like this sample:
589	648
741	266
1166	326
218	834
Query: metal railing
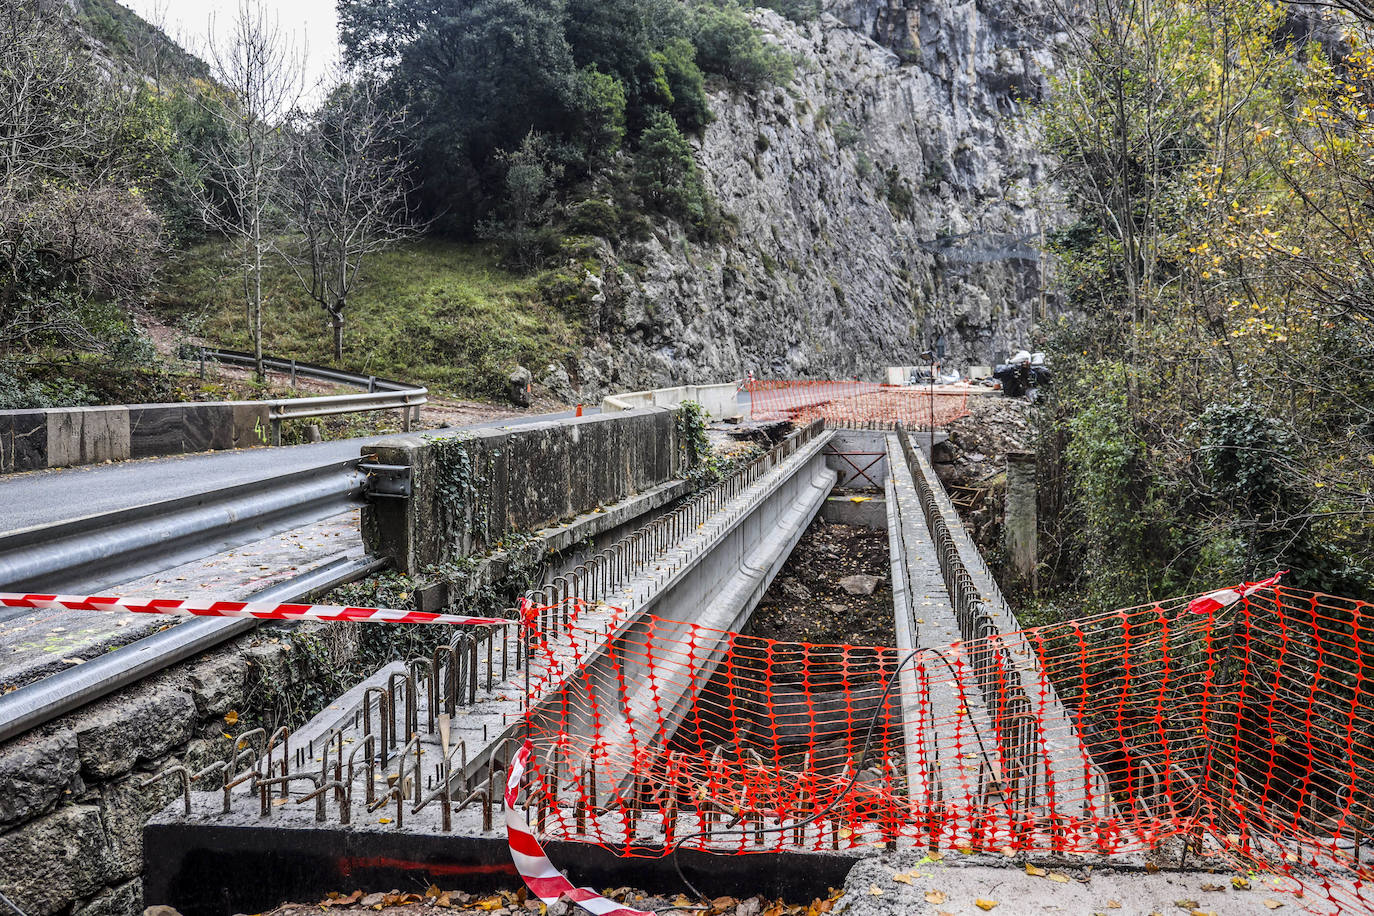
1007	698
382	394
428	695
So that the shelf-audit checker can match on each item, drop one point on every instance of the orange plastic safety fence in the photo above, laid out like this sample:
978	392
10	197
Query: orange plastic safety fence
1243	738
848	403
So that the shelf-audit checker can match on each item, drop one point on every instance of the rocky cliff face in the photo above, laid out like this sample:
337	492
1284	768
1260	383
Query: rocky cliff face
885	198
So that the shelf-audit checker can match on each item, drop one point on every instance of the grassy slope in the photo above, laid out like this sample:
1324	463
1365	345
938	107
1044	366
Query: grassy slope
441	313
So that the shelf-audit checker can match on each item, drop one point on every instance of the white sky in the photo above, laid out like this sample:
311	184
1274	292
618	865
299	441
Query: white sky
311	23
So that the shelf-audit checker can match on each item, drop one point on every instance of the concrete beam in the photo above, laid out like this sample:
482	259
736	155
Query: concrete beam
469	491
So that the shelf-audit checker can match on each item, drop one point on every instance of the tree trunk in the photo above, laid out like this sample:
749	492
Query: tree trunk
338	336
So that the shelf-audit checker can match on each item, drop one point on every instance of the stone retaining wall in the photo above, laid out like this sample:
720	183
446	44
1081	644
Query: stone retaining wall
72	803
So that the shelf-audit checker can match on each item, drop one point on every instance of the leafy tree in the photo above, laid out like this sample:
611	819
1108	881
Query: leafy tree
686	84
531	182
477	76
601	105
728	44
666	173
1215	421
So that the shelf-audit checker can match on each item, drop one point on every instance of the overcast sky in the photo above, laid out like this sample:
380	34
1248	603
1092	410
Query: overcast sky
311	22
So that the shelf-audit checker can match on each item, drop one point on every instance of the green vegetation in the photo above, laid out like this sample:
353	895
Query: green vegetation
1212	419
518	110
442	313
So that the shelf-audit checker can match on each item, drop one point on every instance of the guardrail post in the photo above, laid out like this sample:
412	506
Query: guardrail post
405	418
372	384
202	363
276	430
293	373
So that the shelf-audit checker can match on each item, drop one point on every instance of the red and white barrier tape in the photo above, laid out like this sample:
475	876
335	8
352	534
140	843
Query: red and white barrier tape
259	610
1215	601
546	882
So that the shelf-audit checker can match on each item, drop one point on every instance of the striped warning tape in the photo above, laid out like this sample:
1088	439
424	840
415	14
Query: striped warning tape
546	882
256	609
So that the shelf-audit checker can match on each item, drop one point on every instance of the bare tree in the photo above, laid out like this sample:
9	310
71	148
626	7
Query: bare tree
262	76
72	228
347	186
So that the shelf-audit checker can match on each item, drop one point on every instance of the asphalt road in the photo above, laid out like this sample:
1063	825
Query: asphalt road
45	497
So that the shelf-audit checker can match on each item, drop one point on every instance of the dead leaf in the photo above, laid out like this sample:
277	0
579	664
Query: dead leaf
984	904
231	717
1113	904
1213	888
1035	871
1240	884
875	891
1059	877
490	903
433	892
1272	904
935	856
902	878
936	897
1008	851
1186	904
1151	868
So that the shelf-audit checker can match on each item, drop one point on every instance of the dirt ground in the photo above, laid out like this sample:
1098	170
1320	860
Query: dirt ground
973	463
434	901
806	603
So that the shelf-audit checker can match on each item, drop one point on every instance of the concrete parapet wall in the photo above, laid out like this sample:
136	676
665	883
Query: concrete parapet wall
721	401
31	440
469	491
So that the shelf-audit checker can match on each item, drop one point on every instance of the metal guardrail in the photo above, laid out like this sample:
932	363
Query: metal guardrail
36	704
81	554
382	394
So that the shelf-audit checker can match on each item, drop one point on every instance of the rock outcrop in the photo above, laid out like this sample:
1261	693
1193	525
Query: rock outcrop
885	198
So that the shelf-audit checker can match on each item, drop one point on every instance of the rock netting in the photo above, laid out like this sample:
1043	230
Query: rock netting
888	195
72	796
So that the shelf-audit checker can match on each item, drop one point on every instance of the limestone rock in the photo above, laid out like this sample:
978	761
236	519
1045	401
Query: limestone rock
127	807
217	683
124	900
518	386
883	197
860	584
35	771
559	384
56	859
139	725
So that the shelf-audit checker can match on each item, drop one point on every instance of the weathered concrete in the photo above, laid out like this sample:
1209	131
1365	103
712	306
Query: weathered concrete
936	736
1019	523
721	402
859	457
57	437
958	882
470	491
864	511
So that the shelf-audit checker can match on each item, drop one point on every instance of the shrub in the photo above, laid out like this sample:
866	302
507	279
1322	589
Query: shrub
666	173
846	135
728	44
